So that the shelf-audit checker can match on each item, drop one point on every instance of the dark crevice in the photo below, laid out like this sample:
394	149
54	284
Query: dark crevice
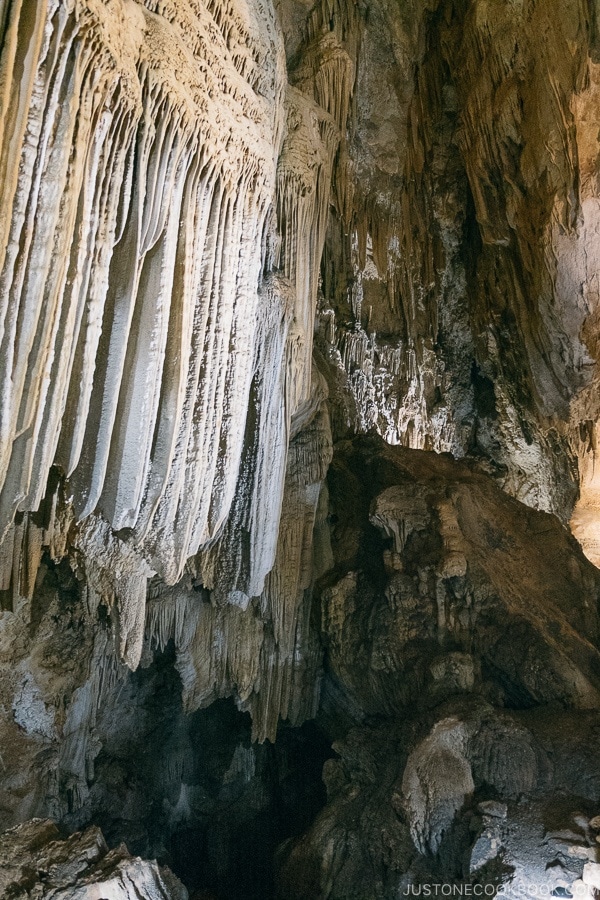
194	792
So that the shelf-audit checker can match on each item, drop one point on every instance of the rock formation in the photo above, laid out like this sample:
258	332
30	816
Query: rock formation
461	632
299	372
36	861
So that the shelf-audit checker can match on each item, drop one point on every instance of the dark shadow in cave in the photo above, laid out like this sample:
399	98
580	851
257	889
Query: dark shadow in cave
194	792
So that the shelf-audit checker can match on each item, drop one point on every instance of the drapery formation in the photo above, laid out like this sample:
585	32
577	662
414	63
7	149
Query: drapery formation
165	198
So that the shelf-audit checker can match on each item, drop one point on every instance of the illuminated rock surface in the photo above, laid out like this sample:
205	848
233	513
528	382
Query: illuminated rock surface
36	861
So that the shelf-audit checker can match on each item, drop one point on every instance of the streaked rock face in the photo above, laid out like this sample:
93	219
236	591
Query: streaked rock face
148	353
163	433
169	197
459	309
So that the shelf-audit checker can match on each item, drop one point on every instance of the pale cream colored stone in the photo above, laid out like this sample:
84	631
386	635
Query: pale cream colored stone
591	875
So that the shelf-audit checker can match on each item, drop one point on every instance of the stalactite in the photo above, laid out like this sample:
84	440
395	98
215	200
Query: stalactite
136	335
261	652
304	180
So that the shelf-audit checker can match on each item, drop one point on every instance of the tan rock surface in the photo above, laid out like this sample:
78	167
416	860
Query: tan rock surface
37	861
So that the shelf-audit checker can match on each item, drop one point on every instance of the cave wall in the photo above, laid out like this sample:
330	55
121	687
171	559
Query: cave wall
234	236
457	318
166	197
411	185
165	193
460	691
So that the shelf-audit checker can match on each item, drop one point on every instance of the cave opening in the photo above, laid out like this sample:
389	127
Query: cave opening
194	791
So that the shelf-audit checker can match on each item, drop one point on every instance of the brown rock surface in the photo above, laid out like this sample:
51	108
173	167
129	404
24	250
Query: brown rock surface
440	578
460	631
37	862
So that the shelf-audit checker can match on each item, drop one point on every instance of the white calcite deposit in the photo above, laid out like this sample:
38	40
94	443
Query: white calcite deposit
164	204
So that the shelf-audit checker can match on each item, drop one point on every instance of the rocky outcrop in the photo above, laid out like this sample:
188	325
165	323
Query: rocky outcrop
36	861
441	580
461	632
461	799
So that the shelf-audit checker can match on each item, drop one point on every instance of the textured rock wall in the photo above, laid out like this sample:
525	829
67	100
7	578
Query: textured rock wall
232	236
460	690
165	208
36	860
164	230
165	204
458	279
148	353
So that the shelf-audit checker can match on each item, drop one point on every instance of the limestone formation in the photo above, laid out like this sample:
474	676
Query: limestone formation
430	558
149	356
449	612
36	861
461	637
384	801
299	371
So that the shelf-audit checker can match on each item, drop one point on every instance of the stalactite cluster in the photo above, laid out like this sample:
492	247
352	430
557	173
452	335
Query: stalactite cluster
299	370
163	426
169	197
